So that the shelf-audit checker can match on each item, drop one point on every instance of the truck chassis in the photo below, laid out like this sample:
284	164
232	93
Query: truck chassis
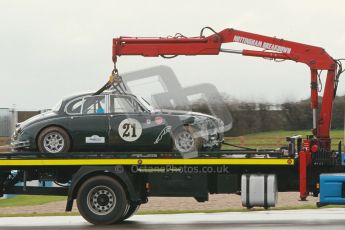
109	187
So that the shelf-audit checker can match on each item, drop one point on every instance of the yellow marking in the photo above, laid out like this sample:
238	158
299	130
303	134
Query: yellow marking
82	162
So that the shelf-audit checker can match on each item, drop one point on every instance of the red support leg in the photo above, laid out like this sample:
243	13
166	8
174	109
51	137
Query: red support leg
303	175
304	161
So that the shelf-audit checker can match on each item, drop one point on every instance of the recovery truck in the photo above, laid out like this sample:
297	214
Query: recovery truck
110	187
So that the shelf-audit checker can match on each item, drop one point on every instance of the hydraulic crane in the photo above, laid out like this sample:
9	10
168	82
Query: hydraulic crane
316	58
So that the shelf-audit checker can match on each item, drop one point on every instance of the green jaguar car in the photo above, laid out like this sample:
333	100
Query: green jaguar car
117	123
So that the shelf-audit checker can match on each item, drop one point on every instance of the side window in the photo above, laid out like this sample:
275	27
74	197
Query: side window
94	104
123	104
74	106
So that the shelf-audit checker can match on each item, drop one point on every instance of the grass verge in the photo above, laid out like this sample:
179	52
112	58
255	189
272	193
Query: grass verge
28	200
275	139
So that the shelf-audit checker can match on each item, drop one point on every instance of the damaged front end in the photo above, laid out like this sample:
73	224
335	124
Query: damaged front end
20	140
211	130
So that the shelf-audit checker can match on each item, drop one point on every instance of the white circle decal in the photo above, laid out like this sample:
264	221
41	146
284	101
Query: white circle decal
130	129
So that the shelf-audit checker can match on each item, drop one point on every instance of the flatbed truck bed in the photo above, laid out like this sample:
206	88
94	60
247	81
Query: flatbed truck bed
227	157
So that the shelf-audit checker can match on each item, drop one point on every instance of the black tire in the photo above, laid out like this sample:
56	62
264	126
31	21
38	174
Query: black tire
133	208
195	142
60	144
102	200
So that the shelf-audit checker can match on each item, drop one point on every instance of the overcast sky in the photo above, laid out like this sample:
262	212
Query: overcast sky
52	49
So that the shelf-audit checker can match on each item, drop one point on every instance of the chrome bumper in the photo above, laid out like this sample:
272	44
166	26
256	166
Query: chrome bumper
20	144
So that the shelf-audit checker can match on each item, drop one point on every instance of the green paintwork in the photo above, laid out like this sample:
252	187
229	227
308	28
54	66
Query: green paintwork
105	125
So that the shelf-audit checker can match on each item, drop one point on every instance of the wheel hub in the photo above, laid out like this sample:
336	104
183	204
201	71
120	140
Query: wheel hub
53	142
184	141
101	200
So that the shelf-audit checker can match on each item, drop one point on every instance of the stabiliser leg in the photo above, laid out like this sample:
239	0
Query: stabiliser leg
304	162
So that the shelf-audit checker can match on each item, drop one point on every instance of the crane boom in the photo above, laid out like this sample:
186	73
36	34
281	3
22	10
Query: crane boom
315	57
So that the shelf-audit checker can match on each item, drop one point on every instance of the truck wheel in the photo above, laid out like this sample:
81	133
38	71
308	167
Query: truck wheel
185	140
133	208
102	200
53	140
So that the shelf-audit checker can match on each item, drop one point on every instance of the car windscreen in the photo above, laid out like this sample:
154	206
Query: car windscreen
145	103
57	107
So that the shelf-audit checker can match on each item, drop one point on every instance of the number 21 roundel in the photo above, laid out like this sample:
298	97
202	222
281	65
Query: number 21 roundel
130	129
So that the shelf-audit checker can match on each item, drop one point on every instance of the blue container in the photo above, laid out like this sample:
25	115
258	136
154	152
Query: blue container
332	188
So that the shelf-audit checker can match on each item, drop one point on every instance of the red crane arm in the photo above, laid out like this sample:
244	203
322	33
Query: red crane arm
315	57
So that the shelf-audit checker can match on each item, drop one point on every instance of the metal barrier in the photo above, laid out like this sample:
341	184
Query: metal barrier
8	120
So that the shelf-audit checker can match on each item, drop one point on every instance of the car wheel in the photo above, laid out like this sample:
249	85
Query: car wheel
185	140
102	200
53	140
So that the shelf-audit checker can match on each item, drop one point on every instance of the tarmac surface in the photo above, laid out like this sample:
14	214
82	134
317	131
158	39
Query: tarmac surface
293	219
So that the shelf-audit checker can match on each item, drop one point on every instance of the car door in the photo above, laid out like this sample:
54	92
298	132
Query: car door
89	123
132	126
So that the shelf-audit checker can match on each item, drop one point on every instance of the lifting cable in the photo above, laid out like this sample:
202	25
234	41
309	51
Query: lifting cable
339	72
